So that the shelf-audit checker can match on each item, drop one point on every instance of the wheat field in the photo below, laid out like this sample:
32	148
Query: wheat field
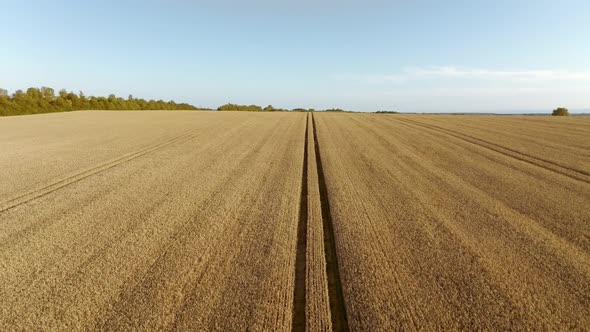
281	221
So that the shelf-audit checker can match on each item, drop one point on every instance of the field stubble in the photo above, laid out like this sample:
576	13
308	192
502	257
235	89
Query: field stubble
234	221
437	230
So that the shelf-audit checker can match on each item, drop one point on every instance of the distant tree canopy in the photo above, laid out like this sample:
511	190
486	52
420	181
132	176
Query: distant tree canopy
335	110
387	112
560	111
44	100
235	107
269	108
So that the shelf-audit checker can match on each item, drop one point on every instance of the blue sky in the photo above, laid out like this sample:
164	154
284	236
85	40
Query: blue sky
363	55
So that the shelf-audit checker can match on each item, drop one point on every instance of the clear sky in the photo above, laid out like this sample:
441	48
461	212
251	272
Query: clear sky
362	55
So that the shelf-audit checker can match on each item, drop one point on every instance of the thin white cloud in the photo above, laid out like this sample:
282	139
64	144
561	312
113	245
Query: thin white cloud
467	92
527	75
435	73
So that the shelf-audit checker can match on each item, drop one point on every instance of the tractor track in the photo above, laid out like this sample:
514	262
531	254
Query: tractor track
532	160
50	188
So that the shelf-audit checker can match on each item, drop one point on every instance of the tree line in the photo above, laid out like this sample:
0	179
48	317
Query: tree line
270	108
45	100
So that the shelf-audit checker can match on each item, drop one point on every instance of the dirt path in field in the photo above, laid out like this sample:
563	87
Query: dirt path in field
318	299
299	295
335	294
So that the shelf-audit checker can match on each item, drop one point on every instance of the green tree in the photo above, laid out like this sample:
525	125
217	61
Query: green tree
63	104
5	103
561	111
63	93
34	94
48	93
83	101
74	100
